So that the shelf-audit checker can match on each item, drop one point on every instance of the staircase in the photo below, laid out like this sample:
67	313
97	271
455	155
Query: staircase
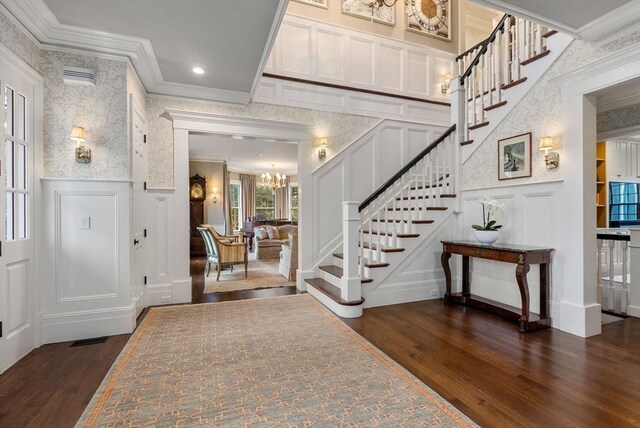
411	209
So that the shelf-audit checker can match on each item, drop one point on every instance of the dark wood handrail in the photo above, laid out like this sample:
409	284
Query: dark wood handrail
614	236
380	190
499	28
463	54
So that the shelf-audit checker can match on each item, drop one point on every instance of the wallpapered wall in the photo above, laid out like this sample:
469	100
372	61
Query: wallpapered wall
340	129
539	112
100	109
18	42
618	118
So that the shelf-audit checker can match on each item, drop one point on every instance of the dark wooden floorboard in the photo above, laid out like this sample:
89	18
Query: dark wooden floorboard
478	362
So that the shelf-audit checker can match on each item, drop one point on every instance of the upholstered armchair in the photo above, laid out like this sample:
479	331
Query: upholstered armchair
223	253
214	232
289	257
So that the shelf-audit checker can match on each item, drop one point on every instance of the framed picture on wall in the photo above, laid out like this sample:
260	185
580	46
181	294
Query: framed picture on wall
383	15
514	157
430	17
318	3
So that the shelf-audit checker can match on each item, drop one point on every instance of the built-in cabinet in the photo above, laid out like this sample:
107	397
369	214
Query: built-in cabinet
601	184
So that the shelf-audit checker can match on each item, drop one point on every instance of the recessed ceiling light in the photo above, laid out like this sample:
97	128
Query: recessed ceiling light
237	137
259	155
197	70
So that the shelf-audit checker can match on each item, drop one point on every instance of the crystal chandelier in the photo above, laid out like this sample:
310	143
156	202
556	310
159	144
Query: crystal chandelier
377	4
274	180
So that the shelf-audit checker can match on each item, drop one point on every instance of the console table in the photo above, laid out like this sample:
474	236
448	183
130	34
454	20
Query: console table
522	256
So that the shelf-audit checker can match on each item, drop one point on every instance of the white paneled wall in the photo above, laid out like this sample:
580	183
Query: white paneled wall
159	246
532	217
623	160
86	290
318	51
354	173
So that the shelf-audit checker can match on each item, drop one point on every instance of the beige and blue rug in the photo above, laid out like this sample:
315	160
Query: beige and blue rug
273	362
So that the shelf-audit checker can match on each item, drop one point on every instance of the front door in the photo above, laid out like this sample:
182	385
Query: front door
17	270
139	172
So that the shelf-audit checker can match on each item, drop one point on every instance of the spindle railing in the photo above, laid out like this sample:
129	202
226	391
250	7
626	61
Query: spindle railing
613	271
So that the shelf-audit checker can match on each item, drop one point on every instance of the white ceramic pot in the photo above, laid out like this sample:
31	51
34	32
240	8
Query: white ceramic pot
486	237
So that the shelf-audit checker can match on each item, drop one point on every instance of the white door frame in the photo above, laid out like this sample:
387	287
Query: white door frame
35	130
185	122
580	313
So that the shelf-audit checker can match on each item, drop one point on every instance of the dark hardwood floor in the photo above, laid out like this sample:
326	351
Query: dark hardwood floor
476	361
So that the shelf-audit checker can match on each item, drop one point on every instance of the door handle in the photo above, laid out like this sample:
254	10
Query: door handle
136	242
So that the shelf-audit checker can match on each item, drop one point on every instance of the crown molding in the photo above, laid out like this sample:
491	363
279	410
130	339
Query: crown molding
40	24
618	102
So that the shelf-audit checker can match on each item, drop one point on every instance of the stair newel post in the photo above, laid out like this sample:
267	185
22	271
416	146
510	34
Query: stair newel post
458	101
351	287
496	67
633	307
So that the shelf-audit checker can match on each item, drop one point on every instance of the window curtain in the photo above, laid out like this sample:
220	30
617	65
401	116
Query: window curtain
226	200
248	190
281	202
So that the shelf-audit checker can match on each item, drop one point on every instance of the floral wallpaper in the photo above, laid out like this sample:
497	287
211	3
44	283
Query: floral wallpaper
619	118
18	42
340	129
539	112
100	109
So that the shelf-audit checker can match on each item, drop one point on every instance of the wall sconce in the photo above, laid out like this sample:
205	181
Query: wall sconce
551	159
444	87
322	153
83	153
214	192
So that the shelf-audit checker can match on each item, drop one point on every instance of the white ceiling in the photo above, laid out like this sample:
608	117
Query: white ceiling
588	19
229	39
247	155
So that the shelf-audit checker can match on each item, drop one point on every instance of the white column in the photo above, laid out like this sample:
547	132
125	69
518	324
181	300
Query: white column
634	289
351	285
305	214
181	289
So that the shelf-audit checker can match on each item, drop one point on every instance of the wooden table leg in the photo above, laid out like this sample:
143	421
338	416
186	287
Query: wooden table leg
466	282
521	276
544	290
444	259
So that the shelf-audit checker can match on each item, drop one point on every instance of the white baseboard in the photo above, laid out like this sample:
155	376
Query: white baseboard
159	294
583	321
633	311
394	294
343	311
87	324
181	291
301	285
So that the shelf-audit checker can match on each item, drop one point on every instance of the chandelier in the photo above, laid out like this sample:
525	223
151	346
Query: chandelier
275	180
377	4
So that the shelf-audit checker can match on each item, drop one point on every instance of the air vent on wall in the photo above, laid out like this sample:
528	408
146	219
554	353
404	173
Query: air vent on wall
79	75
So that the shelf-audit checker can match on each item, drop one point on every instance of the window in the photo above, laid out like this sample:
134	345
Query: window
293	202
265	202
17	152
624	202
236	204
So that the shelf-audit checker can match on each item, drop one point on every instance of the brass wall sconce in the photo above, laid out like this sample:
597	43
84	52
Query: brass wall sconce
322	153
83	153
444	87
551	158
214	192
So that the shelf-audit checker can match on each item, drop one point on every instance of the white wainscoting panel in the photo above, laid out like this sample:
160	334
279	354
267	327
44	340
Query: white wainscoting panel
531	217
159	246
355	172
85	278
319	51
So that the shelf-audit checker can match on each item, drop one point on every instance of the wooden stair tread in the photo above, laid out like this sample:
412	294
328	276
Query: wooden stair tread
418	209
367	265
384	249
514	83
337	271
496	105
399	235
404	221
331	291
535	57
444	195
549	33
428	186
478	125
464	143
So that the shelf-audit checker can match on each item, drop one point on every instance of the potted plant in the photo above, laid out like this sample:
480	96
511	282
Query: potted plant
487	234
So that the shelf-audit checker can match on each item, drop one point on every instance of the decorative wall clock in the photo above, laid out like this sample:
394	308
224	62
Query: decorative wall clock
430	17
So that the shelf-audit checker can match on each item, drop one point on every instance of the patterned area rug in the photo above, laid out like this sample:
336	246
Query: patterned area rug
261	274
272	362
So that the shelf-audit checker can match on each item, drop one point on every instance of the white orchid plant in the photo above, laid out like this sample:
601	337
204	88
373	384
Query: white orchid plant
489	209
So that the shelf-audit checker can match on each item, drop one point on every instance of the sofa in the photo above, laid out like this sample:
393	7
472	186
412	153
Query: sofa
289	257
268	245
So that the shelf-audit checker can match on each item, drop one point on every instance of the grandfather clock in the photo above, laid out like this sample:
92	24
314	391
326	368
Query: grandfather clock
197	193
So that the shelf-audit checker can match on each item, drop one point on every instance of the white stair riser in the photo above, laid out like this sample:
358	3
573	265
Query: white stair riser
333	280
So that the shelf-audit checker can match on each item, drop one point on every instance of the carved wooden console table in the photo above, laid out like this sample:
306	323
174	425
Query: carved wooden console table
522	256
